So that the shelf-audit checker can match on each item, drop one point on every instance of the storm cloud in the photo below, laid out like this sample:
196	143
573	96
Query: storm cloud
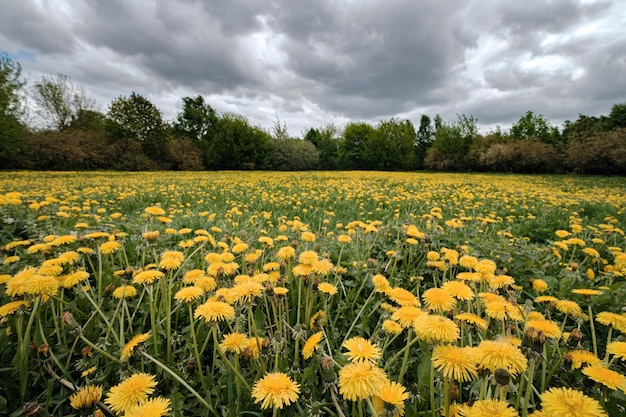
318	62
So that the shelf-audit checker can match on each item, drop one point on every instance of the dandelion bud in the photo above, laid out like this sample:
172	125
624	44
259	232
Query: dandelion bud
33	347
534	339
371	262
574	338
68	320
328	373
109	289
43	349
502	376
191	363
86	352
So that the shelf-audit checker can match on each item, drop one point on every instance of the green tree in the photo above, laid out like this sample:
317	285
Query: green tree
617	117
197	120
239	145
293	155
424	140
391	147
534	126
60	100
352	145
327	144
136	118
452	144
11	126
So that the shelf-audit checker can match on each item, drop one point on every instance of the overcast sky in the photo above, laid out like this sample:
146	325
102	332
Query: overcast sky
312	62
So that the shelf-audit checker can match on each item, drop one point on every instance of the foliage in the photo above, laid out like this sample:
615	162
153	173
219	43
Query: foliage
11	126
598	153
327	143
352	146
60	101
293	155
239	145
452	143
530	156
534	126
136	118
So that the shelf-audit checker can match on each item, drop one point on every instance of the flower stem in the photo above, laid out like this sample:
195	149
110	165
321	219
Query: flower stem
181	381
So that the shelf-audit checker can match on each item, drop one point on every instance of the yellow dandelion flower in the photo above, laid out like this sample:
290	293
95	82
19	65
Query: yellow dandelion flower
318	320
502	309
302	270
308	257
401	296
188	294
436	329
206	283
327	288
547	327
151	235
381	284
493	354
148	277
468	262
406	315
569	402
129	347
312	344
38	247
11	307
390	400
568	307
153	407
110	247
192	276
344	239
473	320
438	299
280	290
546	299
360	380
360	349
285	253
617	321
154	211
171	260
214	311
125	291
41	284
562	234
268	241
308	237
459	290
539	285
501	281
131	392
586	291
579	357
63	240
455	362
11	260
245	292
618	349
607	377
392	327
489	408
88	371
322	267
86	398
275	390
234	342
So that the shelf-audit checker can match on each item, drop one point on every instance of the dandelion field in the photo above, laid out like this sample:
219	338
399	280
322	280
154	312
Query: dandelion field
318	293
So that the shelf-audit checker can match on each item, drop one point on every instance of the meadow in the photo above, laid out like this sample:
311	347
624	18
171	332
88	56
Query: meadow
312	293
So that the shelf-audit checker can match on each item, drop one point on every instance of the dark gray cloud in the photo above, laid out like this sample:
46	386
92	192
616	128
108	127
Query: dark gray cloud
324	61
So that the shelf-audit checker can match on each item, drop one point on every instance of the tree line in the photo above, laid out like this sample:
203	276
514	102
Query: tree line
132	134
